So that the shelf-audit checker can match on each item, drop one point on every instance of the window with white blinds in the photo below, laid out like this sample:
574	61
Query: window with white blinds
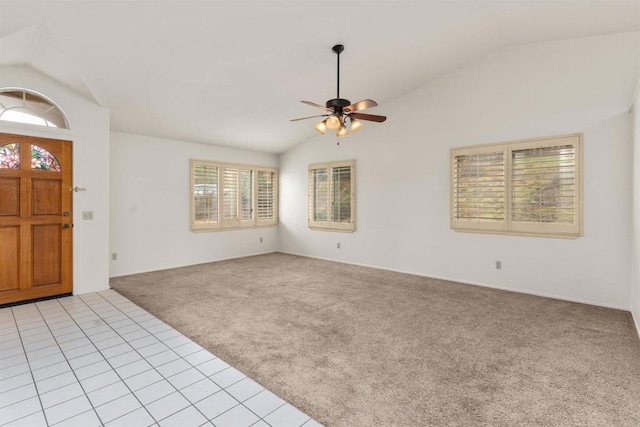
205	194
230	196
246	195
225	196
479	183
319	195
529	187
267	196
331	196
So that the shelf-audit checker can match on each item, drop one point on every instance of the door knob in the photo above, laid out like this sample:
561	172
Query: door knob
65	225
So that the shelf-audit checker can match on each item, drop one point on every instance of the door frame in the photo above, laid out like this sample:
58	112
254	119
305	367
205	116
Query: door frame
36	131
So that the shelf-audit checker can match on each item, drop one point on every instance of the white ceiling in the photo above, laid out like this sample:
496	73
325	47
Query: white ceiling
232	73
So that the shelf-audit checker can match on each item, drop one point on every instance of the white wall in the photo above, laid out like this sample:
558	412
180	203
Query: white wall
150	206
635	253
402	172
90	136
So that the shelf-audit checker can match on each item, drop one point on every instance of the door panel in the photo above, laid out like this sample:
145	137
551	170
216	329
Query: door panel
10	259
47	254
35	218
9	197
45	194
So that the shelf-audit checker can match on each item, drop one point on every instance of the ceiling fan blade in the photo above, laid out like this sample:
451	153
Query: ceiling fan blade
361	105
313	104
369	117
310	117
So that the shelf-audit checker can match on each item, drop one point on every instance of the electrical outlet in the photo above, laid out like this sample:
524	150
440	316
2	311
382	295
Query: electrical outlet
338	245
261	240
498	265
114	256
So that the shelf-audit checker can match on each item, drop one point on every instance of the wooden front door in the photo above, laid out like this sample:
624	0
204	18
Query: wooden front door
35	218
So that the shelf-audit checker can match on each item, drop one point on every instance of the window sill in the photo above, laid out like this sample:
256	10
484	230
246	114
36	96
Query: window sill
567	236
209	230
337	230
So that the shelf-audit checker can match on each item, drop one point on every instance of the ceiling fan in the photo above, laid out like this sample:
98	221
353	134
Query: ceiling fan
338	110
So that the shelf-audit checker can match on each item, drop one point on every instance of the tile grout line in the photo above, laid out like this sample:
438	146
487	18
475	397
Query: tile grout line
21	373
206	377
96	351
152	367
111	366
145	359
111	311
221	388
191	366
72	371
52	334
35	385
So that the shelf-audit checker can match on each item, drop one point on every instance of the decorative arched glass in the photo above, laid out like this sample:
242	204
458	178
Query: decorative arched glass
10	156
22	106
41	159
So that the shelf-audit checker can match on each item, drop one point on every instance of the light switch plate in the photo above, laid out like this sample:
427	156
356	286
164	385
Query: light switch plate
87	215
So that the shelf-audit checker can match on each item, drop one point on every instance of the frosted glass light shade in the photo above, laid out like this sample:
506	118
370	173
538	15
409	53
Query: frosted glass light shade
356	125
342	131
321	127
333	123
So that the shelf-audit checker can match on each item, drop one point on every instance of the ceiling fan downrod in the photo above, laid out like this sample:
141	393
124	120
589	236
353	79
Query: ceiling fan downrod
338	49
338	104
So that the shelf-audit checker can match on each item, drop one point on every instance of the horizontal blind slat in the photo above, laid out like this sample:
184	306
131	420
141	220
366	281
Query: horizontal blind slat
543	185
478	186
266	195
205	194
230	193
341	198
319	195
246	194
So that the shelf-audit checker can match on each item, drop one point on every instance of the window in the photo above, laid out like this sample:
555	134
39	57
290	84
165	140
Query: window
529	187
10	156
41	159
331	196
267	181
225	196
22	106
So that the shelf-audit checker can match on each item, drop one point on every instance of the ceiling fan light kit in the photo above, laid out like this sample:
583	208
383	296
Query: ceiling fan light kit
339	110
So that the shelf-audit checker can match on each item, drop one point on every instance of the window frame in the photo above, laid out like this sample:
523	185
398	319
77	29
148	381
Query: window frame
47	124
229	223
508	226
330	225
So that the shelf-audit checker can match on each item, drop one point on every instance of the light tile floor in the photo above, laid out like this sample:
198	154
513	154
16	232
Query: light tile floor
100	360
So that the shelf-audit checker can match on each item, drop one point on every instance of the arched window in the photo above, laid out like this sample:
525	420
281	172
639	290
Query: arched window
22	106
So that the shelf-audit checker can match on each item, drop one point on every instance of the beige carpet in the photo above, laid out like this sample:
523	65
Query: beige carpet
355	346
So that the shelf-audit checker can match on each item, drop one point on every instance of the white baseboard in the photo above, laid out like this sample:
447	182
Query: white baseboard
466	282
76	292
635	314
188	265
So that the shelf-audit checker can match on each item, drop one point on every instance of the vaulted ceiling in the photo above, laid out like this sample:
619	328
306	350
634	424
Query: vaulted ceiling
232	73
